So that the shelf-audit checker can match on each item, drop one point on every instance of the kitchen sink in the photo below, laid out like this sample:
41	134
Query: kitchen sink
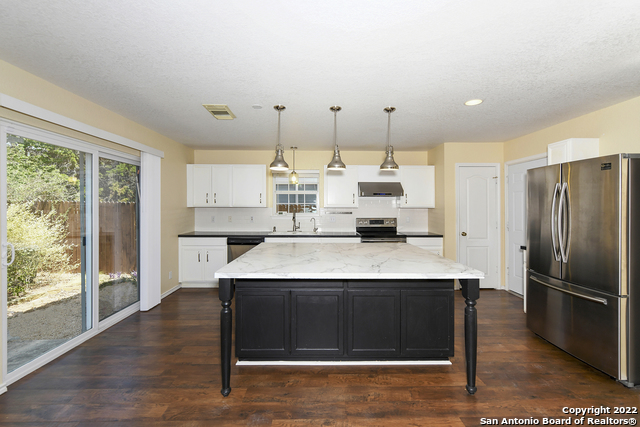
297	233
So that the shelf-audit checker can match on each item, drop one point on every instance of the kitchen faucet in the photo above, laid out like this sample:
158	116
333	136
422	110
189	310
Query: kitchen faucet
295	227
315	228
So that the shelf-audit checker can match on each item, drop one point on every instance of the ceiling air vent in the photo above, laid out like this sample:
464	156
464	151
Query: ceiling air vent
219	111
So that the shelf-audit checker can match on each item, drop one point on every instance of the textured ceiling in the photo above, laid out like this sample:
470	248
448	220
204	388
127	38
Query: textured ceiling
535	64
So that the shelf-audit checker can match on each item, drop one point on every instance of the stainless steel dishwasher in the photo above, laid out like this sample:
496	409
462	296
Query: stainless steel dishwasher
237	246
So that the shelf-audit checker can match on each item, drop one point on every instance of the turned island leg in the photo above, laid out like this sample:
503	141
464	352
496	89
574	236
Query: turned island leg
225	295
471	292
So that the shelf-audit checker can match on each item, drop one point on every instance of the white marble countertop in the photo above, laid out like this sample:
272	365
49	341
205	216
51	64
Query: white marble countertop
343	261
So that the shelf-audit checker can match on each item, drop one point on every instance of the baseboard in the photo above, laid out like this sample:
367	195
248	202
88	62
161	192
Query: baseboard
343	363
3	389
170	291
209	285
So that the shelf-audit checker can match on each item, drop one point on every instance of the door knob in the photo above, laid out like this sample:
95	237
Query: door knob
464	233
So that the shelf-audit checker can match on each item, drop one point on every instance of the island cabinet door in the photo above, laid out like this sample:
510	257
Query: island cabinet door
373	323
427	323
262	323
317	323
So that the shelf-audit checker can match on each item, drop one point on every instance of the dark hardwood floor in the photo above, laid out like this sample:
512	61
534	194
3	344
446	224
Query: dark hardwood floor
161	368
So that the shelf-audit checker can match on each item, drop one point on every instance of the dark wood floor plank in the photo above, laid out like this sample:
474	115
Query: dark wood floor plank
162	368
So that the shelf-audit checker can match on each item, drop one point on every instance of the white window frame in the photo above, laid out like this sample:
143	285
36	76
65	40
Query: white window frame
311	173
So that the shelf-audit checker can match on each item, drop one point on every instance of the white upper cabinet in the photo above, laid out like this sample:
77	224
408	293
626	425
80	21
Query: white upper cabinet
199	191
572	149
226	186
419	185
373	173
221	185
249	186
341	188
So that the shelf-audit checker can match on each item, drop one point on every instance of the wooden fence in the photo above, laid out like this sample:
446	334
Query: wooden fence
117	237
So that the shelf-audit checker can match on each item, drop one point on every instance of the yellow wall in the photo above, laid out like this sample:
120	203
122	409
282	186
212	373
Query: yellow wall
618	128
176	217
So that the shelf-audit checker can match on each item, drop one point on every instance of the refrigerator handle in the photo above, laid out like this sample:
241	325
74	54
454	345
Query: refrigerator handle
563	226
573	293
554	222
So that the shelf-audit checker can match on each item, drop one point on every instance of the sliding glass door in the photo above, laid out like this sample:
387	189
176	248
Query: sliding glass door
49	222
69	227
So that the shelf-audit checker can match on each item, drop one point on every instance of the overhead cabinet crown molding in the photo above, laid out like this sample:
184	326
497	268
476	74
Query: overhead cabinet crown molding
219	186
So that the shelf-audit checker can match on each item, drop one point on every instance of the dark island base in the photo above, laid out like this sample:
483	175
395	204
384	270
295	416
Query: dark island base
390	295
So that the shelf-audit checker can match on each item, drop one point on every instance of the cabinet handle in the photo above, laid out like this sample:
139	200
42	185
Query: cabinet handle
198	256
405	198
207	256
354	199
214	197
207	197
260	198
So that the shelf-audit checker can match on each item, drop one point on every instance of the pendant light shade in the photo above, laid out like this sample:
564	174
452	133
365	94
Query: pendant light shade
389	164
335	163
293	176
279	164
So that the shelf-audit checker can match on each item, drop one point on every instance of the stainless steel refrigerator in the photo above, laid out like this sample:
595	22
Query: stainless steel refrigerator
583	248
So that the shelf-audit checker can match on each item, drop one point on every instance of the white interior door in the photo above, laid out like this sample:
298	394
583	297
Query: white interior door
479	219
517	222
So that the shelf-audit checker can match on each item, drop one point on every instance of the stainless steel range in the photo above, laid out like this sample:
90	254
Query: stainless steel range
379	230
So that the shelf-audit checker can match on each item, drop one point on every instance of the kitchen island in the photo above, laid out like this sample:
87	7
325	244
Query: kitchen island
344	302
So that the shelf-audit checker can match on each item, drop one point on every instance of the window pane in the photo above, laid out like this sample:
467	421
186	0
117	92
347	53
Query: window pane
118	256
283	198
282	187
293	198
309	198
311	187
49	214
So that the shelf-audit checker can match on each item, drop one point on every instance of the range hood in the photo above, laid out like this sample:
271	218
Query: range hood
380	189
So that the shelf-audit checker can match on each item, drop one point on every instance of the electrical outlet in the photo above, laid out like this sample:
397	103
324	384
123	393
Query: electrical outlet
332	219
213	218
229	218
408	219
251	219
170	274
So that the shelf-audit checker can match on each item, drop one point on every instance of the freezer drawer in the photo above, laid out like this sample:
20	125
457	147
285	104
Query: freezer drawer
583	322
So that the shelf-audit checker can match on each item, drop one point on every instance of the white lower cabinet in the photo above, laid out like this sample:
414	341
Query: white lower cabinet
432	244
199	259
312	240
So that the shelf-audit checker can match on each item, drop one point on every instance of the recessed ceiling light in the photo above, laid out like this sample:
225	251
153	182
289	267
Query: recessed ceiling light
219	111
472	102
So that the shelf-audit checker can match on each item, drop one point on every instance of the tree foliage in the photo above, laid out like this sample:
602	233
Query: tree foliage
40	171
118	181
40	246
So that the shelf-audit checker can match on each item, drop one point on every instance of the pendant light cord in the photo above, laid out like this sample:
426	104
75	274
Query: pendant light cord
388	128
335	127
279	145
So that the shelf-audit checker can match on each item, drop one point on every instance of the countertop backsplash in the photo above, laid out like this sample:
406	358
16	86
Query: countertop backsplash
328	219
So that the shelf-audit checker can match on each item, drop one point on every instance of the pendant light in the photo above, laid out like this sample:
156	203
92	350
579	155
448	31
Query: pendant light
293	177
336	163
389	164
279	164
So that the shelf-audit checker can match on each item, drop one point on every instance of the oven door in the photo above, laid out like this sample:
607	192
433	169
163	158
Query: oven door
383	239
